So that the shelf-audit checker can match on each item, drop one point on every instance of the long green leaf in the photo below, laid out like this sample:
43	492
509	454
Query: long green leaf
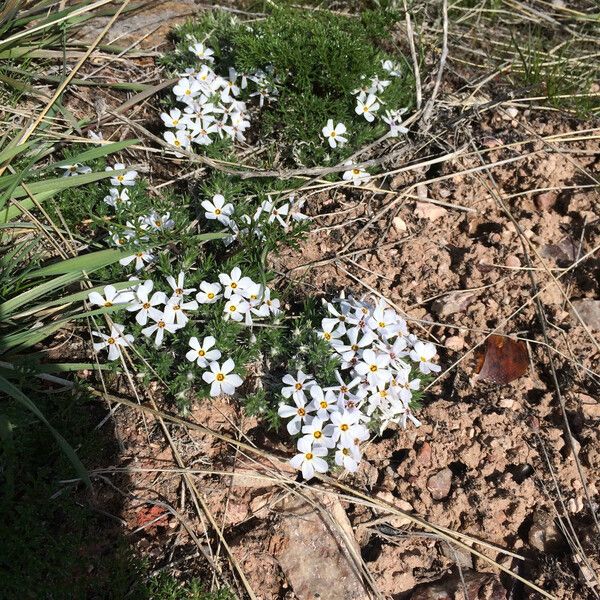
59	184
94	153
14	392
10	306
85	262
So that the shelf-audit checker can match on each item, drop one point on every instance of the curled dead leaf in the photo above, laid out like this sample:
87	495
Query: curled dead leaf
503	360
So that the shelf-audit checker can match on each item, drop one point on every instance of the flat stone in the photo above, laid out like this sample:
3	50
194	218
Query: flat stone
452	303
312	553
589	311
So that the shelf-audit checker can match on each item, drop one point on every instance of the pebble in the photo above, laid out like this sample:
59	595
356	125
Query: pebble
440	483
513	261
545	200
589	311
455	343
399	224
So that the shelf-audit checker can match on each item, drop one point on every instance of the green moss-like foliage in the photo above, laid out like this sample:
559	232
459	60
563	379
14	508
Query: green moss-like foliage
316	60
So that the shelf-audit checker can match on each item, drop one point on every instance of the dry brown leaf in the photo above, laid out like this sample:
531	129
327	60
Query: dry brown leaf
503	361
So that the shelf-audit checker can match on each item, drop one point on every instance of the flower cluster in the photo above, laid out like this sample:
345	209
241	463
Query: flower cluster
218	209
368	103
160	313
212	108
381	367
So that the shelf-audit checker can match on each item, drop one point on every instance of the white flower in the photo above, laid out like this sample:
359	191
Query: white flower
394	120
357	175
217	209
234	283
75	169
179	140
278	213
141	257
173	119
221	378
209	293
297	386
174	310
392	68
202	353
117	197
114	342
159	327
346	428
422	353
405	385
334	135
160	222
200	132
235	308
144	304
348	457
383	321
323	403
187	89
367	107
127	178
318	433
299	412
374	367
202	52
310	459
178	287
111	297
332	332
378	85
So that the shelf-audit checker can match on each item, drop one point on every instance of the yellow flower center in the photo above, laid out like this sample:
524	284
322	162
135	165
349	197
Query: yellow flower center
218	212
323	404
344	427
146	305
373	368
345	452
317	434
111	340
301	412
161	324
177	143
381	324
210	295
220	377
176	307
327	335
201	352
309	456
233	283
188	92
157	223
139	254
423	359
232	308
333	134
298	386
175	121
354	347
108	304
356	171
120	177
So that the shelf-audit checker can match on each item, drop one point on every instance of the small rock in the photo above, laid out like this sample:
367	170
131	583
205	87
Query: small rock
424	454
427	210
565	250
512	112
589	406
575	505
455	342
399	224
545	200
543	533
460	556
439	484
512	261
589	311
471	585
492	142
452	303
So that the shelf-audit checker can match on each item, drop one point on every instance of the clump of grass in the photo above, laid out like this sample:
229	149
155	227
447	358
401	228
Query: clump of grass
315	60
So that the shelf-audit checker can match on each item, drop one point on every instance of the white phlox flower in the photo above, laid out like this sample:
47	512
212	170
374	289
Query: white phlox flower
221	378
334	135
113	341
203	353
